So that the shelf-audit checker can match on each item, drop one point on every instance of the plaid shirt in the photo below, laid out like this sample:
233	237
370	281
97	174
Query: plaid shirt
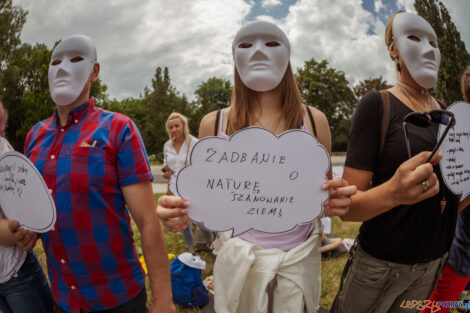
91	258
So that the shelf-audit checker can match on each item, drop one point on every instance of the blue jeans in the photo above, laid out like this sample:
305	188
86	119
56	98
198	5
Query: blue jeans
28	292
188	235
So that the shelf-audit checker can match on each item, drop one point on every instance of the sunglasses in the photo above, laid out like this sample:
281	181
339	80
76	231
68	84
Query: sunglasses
424	119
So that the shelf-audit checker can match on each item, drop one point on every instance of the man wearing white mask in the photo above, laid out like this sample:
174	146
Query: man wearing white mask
408	213
96	167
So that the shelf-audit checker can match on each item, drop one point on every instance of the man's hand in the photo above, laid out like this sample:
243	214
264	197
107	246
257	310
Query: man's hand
23	238
159	307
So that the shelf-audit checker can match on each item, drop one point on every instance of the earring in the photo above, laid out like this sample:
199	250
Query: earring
397	65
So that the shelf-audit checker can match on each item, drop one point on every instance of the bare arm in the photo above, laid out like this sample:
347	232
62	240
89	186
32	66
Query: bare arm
405	187
465	203
340	190
140	201
6	236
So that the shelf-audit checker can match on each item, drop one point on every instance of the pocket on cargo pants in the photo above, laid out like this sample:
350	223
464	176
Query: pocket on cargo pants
365	284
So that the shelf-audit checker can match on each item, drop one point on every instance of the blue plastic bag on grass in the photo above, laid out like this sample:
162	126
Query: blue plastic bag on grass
186	283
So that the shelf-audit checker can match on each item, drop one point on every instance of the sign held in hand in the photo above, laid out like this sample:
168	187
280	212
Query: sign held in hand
24	195
455	164
255	180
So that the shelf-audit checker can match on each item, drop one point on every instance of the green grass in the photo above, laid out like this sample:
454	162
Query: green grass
331	269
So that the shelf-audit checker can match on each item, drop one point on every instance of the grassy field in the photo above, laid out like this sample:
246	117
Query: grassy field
331	269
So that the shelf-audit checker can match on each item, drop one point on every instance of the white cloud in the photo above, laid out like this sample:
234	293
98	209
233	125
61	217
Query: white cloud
270	3
378	5
193	38
338	32
459	11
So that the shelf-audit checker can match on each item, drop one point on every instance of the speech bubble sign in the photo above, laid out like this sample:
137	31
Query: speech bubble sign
24	195
455	163
255	180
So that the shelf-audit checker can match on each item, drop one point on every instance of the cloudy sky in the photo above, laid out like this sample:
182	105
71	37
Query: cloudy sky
193	37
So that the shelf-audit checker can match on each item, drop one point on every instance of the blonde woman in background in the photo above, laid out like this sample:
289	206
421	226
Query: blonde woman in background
176	152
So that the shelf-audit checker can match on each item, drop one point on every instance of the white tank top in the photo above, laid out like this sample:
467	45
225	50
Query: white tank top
11	257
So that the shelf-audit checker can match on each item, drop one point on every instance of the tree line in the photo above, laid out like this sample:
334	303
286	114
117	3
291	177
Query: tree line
25	94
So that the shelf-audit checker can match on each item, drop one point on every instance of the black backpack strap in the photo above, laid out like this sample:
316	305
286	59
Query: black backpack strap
312	121
217	118
385	118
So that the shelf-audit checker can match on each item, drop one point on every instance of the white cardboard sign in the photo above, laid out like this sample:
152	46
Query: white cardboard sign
24	195
255	180
455	163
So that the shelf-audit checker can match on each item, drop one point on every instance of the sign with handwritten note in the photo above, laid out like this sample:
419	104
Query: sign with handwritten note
255	180
24	195
455	164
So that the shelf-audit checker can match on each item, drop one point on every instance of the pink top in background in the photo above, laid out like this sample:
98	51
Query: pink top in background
283	241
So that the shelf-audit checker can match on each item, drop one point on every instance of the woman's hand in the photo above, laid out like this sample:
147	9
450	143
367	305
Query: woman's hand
167	174
415	180
24	238
172	212
340	196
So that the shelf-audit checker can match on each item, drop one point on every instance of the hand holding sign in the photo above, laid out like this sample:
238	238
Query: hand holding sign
455	164
255	180
23	194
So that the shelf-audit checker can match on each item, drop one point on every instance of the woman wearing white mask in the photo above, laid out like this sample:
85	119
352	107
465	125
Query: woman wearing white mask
409	214
260	272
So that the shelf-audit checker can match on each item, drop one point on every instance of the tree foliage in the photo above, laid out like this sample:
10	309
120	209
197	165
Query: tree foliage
211	95
26	93
327	89
368	85
454	55
12	19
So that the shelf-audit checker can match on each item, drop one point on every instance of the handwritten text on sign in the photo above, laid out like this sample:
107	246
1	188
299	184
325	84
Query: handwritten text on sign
23	194
255	180
455	164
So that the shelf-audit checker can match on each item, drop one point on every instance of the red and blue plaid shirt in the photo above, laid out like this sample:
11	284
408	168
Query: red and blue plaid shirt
91	258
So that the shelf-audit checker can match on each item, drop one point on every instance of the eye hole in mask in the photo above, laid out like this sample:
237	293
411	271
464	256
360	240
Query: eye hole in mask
414	38
245	45
76	59
433	44
272	44
56	62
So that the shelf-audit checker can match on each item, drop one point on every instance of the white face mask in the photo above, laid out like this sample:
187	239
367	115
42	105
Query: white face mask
261	53
417	43
71	65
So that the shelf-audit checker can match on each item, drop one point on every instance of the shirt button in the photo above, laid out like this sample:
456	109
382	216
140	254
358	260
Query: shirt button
62	261
50	190
76	121
52	156
62	130
72	287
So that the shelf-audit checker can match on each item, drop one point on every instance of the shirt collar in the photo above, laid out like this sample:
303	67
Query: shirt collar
77	114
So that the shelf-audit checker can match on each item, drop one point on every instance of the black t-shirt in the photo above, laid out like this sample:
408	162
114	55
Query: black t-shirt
407	233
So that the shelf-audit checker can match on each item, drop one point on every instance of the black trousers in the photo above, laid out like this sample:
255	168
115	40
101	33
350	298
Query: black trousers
136	305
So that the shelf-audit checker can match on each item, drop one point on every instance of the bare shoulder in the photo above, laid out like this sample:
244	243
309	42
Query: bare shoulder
318	116
207	124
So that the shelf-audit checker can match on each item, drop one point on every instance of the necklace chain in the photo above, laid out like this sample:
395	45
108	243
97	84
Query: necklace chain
413	103
262	125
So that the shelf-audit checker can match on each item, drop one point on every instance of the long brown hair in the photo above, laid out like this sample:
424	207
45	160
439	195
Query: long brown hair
289	99
465	85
